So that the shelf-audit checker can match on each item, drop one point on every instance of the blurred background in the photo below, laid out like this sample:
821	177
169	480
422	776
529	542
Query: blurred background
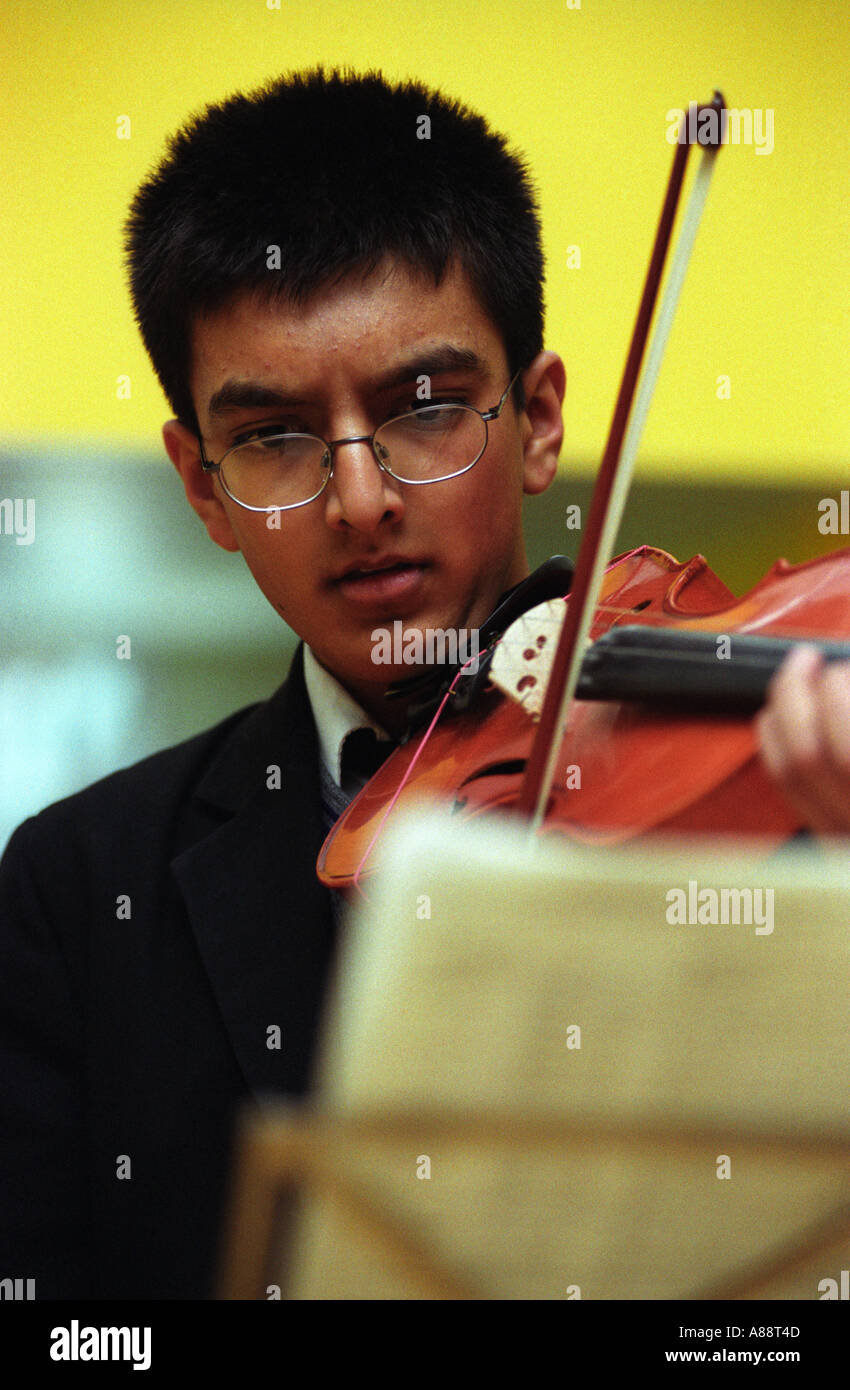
747	434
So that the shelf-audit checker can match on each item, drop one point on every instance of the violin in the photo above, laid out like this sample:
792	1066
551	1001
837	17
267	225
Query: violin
660	738
642	674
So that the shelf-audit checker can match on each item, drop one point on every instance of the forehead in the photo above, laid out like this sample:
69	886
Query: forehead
361	326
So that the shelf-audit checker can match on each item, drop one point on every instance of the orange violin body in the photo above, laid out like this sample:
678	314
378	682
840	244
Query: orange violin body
624	769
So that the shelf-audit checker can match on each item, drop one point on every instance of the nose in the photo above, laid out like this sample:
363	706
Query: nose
360	493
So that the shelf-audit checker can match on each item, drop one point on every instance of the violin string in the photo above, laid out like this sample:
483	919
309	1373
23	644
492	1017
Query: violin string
406	778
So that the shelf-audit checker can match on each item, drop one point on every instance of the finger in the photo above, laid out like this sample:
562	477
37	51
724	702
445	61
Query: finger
835	709
791	711
803	733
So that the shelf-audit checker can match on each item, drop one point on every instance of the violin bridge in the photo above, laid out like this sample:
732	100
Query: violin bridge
523	658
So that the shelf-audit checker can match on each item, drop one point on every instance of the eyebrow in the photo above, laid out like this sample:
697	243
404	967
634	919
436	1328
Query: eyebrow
238	394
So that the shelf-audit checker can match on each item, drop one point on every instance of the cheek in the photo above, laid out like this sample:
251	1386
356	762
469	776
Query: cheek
274	556
491	504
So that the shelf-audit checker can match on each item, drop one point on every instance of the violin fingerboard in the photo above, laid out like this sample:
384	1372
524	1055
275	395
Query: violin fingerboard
523	658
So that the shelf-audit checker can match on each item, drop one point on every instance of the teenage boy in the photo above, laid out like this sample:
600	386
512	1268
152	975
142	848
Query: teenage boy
339	283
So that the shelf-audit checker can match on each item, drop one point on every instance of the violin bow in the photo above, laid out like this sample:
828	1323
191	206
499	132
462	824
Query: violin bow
617	467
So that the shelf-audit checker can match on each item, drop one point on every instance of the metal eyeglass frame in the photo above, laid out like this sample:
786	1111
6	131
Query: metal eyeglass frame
330	445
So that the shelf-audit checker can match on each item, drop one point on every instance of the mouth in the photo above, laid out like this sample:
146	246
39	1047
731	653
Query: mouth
385	580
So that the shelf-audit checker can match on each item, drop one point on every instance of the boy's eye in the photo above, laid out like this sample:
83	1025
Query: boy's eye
429	404
267	432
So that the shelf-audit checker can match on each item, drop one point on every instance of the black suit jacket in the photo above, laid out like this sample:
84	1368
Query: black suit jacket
136	1038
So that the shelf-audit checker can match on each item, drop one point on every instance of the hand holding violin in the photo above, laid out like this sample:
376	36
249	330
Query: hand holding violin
804	736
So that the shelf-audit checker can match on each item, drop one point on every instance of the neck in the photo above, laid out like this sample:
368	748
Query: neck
392	715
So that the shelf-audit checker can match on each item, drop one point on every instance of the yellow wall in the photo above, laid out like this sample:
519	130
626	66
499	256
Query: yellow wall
584	91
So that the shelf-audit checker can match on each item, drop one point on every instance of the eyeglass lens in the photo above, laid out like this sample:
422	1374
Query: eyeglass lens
424	446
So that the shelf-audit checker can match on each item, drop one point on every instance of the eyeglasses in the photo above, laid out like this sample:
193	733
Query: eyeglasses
275	471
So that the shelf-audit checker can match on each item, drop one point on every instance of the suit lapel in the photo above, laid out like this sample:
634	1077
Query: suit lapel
262	920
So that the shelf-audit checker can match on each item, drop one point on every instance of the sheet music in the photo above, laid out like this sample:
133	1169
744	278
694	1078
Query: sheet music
711	1029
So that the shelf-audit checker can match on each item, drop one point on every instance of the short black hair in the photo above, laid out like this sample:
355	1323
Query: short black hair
331	168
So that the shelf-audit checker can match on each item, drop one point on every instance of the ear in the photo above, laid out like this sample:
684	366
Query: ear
202	489
544	383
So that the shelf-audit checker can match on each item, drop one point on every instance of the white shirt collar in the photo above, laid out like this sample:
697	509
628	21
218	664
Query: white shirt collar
337	714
